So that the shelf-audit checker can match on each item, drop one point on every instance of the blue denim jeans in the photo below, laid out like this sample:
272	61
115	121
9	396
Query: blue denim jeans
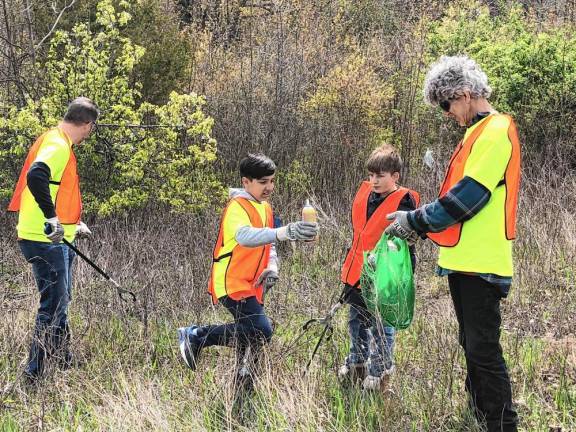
251	327
366	328
52	269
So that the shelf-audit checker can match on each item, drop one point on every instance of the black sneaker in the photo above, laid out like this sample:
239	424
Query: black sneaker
189	346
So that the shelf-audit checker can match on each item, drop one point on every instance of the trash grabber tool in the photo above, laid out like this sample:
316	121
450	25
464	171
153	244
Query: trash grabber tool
119	290
326	321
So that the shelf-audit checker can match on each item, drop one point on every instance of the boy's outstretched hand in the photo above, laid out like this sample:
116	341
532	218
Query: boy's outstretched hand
300	231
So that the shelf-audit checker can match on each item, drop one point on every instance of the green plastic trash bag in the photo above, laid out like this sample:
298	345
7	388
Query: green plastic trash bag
387	282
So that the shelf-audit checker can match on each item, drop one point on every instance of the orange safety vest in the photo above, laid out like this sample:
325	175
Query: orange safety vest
455	172
246	263
368	232
68	198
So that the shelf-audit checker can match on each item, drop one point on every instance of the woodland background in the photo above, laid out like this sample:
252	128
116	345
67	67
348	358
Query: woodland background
186	88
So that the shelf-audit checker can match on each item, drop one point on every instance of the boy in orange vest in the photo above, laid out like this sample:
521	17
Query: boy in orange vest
373	201
244	266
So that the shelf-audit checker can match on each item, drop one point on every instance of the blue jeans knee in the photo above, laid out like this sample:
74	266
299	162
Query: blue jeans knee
52	269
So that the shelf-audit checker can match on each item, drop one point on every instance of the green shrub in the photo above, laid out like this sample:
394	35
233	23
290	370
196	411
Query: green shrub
121	167
532	69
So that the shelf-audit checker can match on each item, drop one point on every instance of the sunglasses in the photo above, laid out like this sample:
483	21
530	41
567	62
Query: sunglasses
446	103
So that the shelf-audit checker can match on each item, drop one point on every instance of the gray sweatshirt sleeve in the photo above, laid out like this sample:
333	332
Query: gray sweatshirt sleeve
253	237
249	236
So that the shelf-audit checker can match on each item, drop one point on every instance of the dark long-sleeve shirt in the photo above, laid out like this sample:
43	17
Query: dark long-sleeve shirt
462	202
38	181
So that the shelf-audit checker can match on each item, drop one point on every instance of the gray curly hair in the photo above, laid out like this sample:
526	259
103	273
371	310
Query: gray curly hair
450	76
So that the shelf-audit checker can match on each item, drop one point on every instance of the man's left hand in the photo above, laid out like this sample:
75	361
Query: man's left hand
401	228
82	231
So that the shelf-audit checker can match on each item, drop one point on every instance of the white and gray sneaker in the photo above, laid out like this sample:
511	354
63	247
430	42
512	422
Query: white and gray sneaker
189	346
355	371
372	382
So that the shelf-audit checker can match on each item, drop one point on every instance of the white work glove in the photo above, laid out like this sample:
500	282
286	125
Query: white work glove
401	228
429	159
82	231
267	279
54	230
301	231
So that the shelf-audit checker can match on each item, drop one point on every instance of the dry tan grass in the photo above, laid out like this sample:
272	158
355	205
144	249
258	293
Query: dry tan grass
130	376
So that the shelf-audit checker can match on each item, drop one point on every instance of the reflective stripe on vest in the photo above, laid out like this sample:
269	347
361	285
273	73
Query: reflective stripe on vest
243	265
367	233
455	172
68	203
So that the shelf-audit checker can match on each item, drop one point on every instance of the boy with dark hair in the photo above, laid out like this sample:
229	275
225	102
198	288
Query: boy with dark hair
373	201
244	266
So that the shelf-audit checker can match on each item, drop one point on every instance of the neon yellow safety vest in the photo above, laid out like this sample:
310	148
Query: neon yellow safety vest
55	150
483	245
236	268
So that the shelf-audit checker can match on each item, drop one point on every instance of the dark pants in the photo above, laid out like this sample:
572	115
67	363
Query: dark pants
251	327
52	268
477	306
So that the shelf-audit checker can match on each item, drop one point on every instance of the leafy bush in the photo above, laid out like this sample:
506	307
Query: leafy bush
352	97
122	167
532	69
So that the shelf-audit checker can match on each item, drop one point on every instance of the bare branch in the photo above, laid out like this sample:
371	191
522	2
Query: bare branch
31	34
64	9
10	42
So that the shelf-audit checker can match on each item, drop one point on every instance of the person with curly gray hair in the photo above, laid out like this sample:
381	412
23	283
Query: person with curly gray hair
474	222
454	78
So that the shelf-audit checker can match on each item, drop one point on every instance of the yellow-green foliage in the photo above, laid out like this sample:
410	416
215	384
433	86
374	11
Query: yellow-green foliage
168	165
351	94
18	129
532	69
121	168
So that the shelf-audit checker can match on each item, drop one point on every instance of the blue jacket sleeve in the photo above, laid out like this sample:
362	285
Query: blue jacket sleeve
462	202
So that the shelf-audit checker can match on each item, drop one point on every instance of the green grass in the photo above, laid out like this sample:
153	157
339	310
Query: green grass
130	377
140	382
